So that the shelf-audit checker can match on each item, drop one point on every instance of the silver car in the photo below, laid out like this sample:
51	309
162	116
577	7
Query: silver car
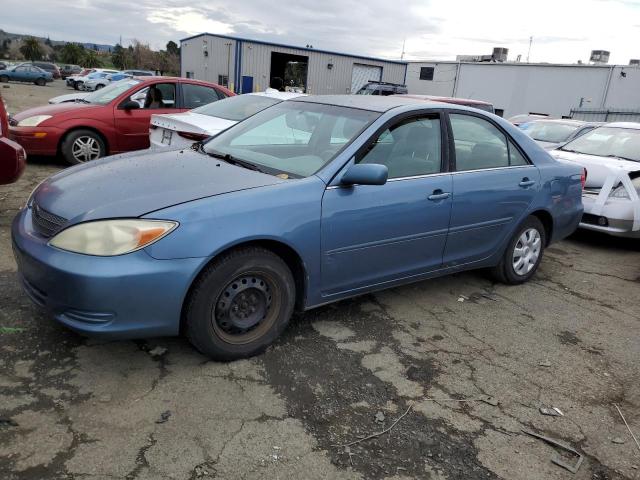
552	133
611	157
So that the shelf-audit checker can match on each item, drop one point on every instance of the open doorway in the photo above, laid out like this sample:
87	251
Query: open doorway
290	68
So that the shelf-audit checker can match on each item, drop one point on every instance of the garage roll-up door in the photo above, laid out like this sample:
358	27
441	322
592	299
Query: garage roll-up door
362	74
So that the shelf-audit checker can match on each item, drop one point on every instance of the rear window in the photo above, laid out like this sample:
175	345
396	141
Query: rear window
237	108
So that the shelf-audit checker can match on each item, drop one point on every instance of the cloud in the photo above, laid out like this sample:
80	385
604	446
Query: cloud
563	30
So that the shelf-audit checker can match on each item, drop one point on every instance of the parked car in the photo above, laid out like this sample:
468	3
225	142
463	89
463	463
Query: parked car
611	156
552	133
68	97
26	73
139	73
467	102
382	88
3	66
182	129
78	83
112	120
68	70
307	202
52	68
13	158
95	81
71	79
518	120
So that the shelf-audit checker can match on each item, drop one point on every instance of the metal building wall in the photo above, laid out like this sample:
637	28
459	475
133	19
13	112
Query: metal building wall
255	60
522	88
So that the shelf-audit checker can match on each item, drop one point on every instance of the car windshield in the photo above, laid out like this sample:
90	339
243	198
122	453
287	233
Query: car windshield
292	138
237	108
111	91
369	90
552	132
608	142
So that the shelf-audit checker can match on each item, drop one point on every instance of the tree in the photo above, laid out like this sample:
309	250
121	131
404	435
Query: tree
48	42
31	49
91	59
120	57
72	53
173	48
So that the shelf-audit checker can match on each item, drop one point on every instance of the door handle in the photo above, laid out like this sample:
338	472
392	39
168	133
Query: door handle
526	182
438	195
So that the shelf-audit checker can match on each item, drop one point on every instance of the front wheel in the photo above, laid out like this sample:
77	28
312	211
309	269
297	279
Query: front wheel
240	304
99	86
77	85
82	146
523	255
41	82
4	79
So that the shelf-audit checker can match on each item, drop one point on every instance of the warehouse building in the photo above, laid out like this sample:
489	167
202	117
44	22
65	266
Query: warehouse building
609	92
249	65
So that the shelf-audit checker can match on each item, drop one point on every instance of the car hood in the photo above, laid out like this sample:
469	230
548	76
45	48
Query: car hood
134	184
598	168
56	109
548	145
191	122
68	97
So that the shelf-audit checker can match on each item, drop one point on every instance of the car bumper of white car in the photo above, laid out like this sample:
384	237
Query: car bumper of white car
616	216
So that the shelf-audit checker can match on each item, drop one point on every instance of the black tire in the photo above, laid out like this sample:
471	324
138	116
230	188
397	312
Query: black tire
76	85
72	143
41	82
240	304
99	86
529	262
4	79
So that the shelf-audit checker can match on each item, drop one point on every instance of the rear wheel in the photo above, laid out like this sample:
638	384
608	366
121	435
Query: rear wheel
4	78
99	86
41	82
82	146
240	304
523	255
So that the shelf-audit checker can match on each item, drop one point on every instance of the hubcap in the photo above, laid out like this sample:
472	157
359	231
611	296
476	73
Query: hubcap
242	308
527	251
85	149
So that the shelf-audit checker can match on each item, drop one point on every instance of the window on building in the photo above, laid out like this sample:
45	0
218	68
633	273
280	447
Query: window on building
223	80
190	75
426	73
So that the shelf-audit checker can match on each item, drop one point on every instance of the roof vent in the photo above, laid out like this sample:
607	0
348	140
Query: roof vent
599	56
500	54
634	62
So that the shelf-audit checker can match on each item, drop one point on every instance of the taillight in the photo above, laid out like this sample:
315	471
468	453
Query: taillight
193	136
583	177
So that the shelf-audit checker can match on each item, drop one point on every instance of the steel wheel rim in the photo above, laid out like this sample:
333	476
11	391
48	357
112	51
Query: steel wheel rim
85	149
246	308
526	251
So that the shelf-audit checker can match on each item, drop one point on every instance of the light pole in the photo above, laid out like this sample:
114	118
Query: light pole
228	44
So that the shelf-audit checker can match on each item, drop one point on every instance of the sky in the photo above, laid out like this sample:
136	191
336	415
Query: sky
563	31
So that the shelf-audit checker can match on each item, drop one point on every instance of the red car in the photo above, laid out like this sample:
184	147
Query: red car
111	120
12	156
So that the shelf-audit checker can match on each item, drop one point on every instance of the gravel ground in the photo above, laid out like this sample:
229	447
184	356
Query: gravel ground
469	362
20	96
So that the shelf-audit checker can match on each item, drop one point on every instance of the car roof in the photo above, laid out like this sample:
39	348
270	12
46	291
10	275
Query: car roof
374	103
560	121
279	95
458	101
632	125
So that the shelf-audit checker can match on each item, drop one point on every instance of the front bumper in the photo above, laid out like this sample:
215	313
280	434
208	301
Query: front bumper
122	297
37	140
614	217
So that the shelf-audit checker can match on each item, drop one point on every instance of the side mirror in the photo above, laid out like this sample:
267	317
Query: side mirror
365	174
130	105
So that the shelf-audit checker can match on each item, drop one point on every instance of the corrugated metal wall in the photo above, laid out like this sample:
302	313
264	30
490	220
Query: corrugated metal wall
256	62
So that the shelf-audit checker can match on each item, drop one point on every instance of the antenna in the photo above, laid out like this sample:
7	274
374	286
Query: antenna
402	54
529	52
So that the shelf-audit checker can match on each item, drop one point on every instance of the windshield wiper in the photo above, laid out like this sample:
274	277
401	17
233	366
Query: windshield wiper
78	100
621	158
568	150
227	157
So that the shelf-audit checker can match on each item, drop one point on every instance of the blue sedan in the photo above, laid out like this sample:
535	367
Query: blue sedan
26	73
308	202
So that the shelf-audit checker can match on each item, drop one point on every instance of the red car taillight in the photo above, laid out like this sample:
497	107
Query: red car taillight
583	177
193	136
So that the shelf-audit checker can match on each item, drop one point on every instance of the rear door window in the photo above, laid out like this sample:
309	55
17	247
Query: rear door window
478	143
195	96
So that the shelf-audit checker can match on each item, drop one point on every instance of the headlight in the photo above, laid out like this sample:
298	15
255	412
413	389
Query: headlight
33	121
107	238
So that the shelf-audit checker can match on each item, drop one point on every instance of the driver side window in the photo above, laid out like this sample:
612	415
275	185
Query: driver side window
408	148
158	95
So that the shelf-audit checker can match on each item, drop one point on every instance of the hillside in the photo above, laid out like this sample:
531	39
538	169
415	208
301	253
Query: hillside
17	36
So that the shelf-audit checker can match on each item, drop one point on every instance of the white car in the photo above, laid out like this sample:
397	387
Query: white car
69	97
78	83
183	129
611	157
